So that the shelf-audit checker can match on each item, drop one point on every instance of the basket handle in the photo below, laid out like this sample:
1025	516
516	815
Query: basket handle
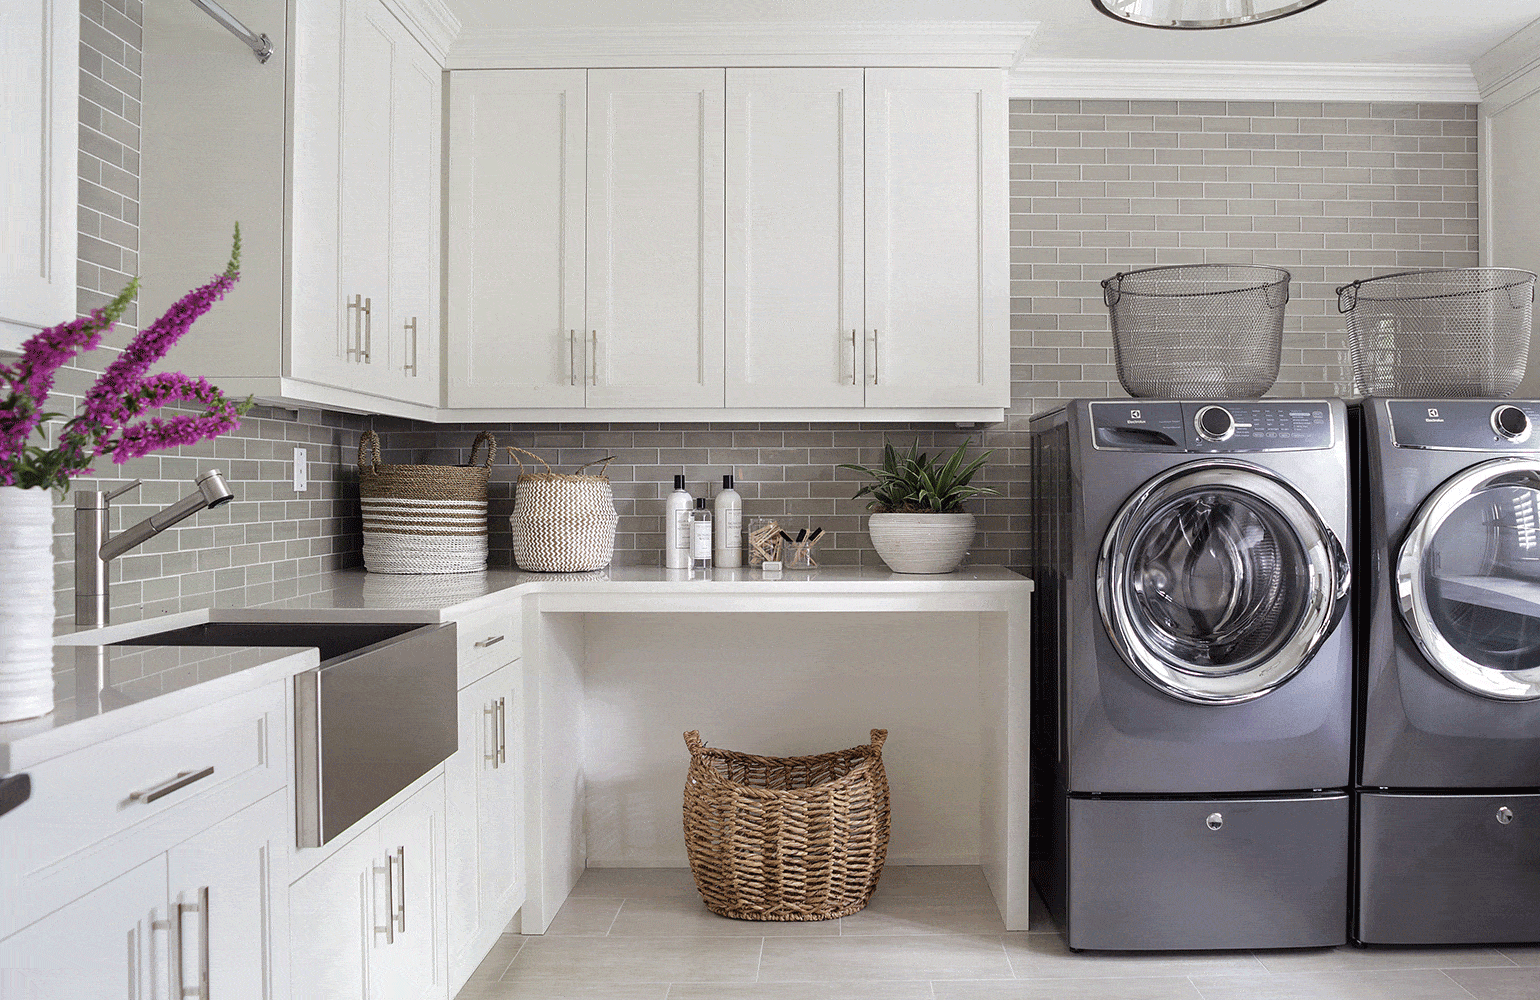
521	451
1267	293
879	737
491	443
693	741
1112	289
596	461
1520	300
368	441
1347	297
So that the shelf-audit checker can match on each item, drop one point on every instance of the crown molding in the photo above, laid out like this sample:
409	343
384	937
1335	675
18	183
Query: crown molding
431	23
1123	79
1510	70
984	44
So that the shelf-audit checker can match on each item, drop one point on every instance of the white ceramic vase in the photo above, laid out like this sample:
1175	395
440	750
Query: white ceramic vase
921	543
26	603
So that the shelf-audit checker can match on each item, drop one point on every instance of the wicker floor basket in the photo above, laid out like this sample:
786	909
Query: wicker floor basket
424	518
786	838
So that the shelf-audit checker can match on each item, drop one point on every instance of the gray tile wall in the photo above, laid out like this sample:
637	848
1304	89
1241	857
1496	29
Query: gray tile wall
271	540
1331	191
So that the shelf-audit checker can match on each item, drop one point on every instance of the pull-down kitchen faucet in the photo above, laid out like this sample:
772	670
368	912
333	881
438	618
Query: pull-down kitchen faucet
94	549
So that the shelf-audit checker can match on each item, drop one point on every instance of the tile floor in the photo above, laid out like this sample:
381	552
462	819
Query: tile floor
931	933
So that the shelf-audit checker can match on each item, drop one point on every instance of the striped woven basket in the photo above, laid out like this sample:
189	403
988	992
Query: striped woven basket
562	523
424	518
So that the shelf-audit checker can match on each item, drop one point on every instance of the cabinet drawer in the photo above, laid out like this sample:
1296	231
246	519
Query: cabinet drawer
1448	869
97	811
487	640
1218	873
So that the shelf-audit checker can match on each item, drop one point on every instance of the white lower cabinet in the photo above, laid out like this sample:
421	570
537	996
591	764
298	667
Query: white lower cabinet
485	795
368	922
205	916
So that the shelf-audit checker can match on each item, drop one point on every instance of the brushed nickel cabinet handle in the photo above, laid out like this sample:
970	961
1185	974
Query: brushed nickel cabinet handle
389	930
174	952
412	329
201	908
165	788
502	730
490	713
490	640
401	900
596	357
572	357
355	328
876	346
854	372
368	329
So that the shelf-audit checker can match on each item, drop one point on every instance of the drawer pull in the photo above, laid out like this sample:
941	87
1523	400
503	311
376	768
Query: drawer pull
165	788
490	640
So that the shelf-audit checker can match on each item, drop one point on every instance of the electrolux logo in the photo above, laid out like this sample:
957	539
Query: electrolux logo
1433	417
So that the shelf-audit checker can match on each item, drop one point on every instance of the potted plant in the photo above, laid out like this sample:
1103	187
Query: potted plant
917	522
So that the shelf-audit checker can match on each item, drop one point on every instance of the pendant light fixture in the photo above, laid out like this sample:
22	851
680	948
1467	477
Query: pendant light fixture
1197	15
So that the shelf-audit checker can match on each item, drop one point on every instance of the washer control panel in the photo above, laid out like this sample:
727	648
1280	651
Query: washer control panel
1224	427
1464	424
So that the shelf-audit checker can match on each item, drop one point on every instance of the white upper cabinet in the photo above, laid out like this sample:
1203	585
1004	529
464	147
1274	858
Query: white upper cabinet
795	316
655	238
517	335
416	125
937	239
39	88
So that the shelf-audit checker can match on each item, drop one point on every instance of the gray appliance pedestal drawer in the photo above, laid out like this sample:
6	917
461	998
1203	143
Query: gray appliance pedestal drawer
1217	873
1448	869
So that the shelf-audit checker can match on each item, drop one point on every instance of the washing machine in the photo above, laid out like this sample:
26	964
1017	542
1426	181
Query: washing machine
1448	801
1192	673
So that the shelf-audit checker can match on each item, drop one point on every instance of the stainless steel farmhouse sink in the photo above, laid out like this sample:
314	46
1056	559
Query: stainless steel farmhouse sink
376	714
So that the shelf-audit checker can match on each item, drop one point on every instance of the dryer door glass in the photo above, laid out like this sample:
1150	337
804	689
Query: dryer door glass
1218	582
1469	579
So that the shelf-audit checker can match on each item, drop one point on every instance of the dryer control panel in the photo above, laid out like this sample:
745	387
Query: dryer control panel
1464	424
1213	428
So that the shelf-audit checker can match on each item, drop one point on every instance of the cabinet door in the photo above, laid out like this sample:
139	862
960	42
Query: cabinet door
516	333
655	237
335	925
414	225
411	840
937	254
370	43
794	237
100	947
233	907
500	792
39	84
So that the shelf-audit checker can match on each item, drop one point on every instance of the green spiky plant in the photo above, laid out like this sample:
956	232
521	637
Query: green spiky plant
916	483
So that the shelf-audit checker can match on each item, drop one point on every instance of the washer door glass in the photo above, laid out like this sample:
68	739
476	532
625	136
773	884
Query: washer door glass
1218	582
1468	579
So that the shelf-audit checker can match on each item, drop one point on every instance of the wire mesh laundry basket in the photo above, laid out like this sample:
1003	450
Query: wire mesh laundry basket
1449	332
1198	331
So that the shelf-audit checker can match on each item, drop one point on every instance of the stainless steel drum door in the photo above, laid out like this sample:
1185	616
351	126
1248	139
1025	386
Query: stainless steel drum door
1218	581
1468	579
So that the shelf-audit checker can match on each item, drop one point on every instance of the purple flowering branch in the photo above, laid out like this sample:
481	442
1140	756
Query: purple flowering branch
122	393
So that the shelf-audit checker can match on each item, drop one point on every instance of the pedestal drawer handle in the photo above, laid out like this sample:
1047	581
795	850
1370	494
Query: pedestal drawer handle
1215	821
165	788
1504	815
490	640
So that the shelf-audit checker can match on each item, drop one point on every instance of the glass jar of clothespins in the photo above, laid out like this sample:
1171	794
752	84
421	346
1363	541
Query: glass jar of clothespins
763	538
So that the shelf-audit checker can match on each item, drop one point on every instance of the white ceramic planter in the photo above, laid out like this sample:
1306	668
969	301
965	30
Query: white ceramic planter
26	603
921	543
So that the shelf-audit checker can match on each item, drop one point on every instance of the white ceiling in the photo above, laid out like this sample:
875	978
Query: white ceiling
1338	31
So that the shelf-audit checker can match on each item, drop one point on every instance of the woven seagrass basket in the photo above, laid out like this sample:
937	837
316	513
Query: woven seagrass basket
562	523
424	518
786	838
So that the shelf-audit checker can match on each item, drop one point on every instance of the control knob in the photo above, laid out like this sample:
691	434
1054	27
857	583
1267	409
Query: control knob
1214	423
1510	422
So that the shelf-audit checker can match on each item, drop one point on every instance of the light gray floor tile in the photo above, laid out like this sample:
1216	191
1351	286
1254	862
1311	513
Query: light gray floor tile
1498	984
917	915
1521	955
1416	984
585	916
940	956
630	882
498	959
1045	956
937	883
1163	988
1379	957
637	960
911	990
555	989
687	916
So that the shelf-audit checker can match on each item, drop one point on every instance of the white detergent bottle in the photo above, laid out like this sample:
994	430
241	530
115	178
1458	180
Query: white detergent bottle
727	547
676	526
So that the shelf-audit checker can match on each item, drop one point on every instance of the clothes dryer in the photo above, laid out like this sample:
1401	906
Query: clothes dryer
1191	674
1448	801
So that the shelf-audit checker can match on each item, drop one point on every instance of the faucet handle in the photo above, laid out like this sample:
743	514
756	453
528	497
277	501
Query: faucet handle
124	489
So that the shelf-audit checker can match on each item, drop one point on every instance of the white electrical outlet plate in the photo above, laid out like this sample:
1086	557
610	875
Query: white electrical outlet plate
301	471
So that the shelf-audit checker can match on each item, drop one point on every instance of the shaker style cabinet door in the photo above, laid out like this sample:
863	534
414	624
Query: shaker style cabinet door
336	923
517	146
937	253
411	848
655	238
795	316
100	947
412	337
